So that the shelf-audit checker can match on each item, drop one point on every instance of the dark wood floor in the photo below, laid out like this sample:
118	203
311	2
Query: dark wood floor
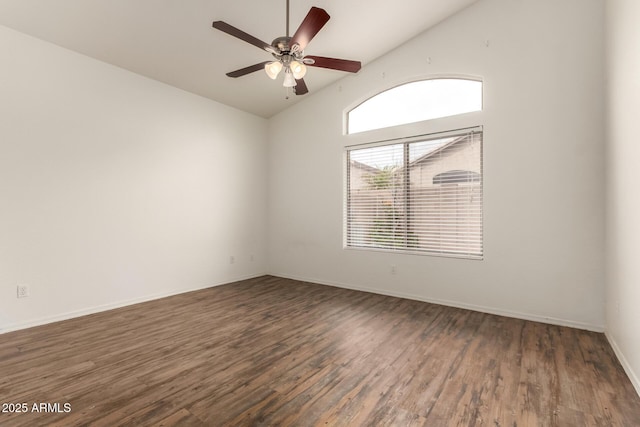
271	351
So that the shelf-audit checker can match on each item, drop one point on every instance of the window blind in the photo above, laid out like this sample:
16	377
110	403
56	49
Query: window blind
422	196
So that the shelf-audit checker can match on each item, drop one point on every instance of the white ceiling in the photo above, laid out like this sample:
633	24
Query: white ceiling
172	40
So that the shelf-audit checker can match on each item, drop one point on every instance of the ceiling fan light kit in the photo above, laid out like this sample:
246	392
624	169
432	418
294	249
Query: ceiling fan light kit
289	52
273	69
298	69
289	80
291	66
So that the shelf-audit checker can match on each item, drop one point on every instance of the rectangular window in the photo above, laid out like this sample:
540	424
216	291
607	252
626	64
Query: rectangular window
422	195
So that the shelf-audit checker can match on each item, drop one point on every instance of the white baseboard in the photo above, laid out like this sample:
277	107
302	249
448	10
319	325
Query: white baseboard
483	309
623	361
480	308
105	307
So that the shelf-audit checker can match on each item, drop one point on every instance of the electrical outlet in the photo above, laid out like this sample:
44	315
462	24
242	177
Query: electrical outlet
394	269
251	258
232	259
23	291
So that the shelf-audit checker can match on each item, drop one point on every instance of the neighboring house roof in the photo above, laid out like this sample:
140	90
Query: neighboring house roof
437	150
365	167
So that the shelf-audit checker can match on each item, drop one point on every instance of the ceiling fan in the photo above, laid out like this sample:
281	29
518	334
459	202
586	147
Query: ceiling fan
289	52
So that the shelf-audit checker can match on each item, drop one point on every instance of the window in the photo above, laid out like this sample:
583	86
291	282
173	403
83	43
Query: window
416	101
422	195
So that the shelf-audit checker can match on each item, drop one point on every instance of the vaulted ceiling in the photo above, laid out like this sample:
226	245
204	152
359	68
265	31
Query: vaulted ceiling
172	40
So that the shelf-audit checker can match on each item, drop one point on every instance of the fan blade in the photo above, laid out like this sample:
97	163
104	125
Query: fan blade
335	64
312	23
235	32
248	70
300	87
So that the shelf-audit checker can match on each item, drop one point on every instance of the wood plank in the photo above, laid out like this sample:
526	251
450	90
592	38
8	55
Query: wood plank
272	351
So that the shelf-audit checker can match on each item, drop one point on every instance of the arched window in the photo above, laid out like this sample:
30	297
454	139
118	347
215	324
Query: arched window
416	101
416	193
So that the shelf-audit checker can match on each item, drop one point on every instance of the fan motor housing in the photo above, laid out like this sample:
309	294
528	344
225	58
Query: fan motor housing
282	43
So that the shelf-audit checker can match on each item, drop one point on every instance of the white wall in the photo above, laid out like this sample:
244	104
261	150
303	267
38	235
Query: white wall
541	62
623	197
116	188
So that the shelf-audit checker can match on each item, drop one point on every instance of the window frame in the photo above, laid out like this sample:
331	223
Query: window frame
407	133
406	141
